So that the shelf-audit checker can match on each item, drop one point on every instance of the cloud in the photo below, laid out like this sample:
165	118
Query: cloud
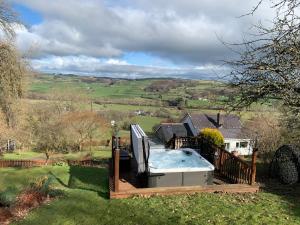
184	32
84	65
116	62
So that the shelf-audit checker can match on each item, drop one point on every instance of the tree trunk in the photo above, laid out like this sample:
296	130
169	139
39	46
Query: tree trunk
47	157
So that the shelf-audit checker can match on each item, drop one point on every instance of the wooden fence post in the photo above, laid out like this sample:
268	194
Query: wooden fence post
174	141
113	147
253	166
220	159
119	142
116	169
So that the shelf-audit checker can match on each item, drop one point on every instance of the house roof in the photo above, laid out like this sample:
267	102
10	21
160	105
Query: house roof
231	126
166	131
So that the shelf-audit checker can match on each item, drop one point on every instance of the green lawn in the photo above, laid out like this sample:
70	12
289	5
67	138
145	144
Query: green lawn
23	155
147	122
29	155
85	202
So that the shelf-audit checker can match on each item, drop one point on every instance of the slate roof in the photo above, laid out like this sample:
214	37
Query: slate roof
231	124
166	131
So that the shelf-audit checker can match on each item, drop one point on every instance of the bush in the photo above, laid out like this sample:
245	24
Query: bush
213	136
287	172
8	197
286	164
44	186
60	163
126	124
163	113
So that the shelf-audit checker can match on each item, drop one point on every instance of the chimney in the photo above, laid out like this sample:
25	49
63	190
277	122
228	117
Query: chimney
219	120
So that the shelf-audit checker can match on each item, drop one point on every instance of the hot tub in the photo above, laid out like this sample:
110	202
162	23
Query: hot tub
180	167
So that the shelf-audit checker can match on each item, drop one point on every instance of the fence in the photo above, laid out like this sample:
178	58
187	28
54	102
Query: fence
234	168
35	163
22	163
88	163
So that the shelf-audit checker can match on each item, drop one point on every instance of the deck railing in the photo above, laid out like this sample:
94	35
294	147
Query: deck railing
226	164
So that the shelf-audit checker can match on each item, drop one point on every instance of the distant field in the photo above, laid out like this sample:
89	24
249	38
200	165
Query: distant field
117	89
147	122
128	96
123	96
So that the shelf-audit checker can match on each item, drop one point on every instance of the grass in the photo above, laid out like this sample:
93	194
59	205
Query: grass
29	155
95	154
85	202
121	89
23	155
147	122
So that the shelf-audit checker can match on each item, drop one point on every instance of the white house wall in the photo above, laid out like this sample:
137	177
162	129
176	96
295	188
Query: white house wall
242	151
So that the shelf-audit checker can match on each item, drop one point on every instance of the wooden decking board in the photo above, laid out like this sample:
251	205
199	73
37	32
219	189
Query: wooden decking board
225	188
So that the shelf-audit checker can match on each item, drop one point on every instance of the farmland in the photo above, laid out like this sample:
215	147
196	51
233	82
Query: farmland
144	101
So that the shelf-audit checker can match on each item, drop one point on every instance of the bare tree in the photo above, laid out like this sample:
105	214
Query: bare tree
83	126
12	73
267	132
268	67
7	18
12	67
56	131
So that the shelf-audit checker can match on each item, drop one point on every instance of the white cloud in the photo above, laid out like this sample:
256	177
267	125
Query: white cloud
116	62
85	65
184	32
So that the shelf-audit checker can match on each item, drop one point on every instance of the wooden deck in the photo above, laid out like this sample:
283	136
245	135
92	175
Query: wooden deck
127	190
239	175
128	187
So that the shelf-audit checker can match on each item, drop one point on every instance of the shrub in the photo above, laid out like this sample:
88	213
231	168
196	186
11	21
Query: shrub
8	196
286	164
213	136
287	172
126	124
44	186
60	163
163	113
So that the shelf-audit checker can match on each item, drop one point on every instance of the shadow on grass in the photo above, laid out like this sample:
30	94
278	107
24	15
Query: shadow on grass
289	193
83	208
87	178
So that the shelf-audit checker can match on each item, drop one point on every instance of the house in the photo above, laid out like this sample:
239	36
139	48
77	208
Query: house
166	131
229	125
139	113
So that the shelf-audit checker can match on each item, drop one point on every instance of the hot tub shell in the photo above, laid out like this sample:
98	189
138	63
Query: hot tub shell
180	179
182	176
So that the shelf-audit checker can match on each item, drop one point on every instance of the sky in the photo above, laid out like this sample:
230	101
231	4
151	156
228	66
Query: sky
134	38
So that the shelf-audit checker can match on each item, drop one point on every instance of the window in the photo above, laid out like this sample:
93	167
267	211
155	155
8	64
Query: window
227	146
244	144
